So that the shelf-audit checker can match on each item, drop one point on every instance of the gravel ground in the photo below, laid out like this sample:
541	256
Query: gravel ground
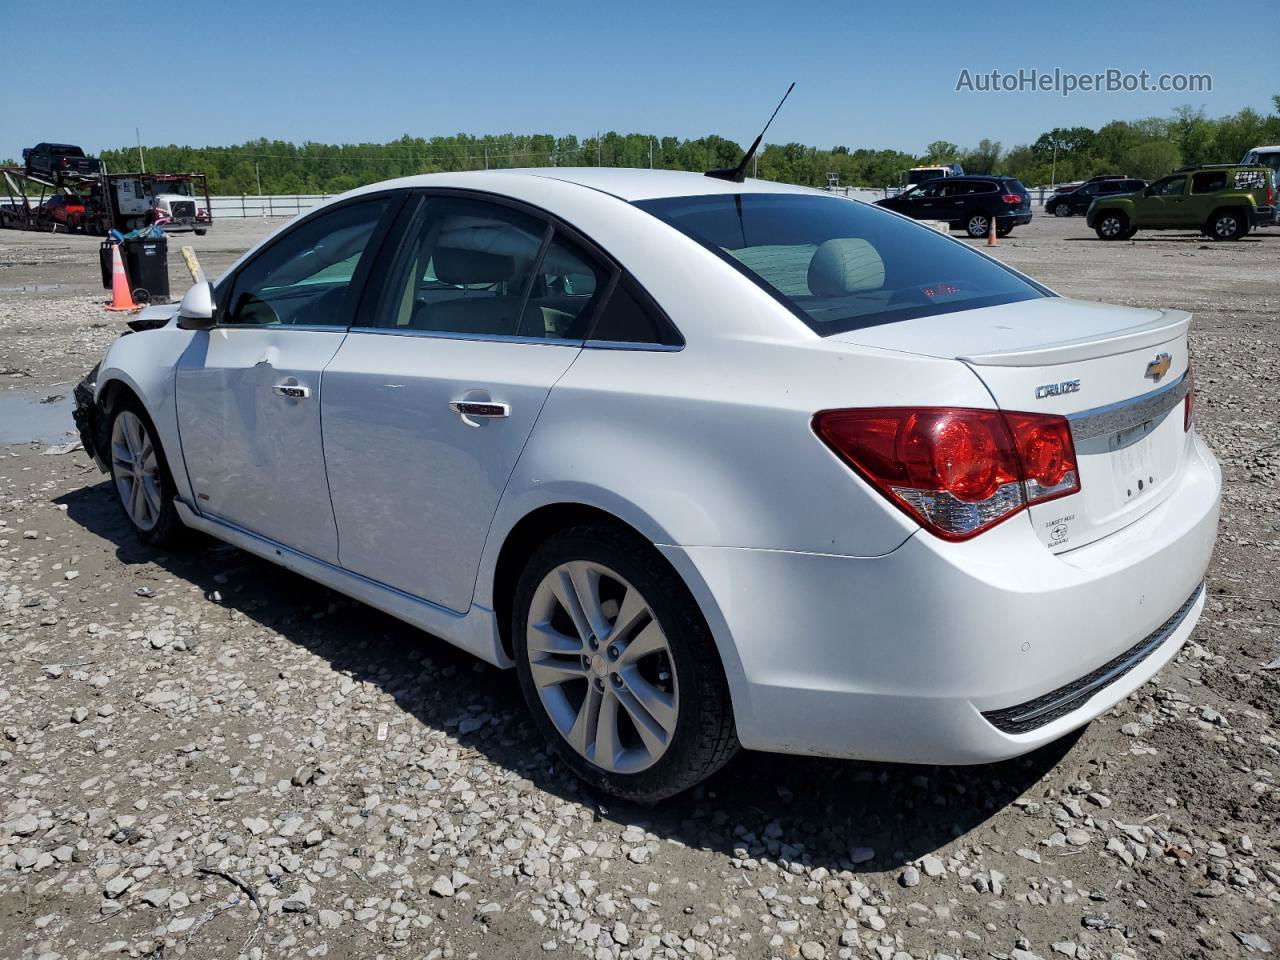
204	755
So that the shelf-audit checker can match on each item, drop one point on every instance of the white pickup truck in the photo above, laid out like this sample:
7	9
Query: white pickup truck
165	200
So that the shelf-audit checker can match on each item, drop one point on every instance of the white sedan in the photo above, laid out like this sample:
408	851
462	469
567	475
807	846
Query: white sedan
709	463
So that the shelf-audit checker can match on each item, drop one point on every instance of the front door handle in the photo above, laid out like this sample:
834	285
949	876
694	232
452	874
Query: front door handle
487	409
291	391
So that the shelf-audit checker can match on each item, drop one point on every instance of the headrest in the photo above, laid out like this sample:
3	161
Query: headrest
845	265
459	266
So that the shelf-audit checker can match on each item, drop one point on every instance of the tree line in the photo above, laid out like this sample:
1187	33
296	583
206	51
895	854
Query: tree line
1143	148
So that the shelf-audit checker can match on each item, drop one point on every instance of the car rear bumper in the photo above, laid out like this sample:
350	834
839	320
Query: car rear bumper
1265	216
937	652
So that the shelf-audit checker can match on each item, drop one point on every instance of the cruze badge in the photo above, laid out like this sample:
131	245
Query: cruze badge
1158	367
1057	389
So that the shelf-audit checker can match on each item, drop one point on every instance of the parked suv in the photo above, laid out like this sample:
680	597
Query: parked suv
1267	157
53	159
1076	202
967	203
1223	200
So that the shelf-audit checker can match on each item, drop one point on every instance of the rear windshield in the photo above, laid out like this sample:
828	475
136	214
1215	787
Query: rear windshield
839	264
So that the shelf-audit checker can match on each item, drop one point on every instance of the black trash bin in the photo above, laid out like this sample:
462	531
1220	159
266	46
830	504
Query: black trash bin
146	261
104	259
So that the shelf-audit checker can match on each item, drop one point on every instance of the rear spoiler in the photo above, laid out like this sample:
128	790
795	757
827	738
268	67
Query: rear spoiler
1169	325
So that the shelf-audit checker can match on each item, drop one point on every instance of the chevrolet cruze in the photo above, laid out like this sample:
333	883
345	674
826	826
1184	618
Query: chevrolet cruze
709	463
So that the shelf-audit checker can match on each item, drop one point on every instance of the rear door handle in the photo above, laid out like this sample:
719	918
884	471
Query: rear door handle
467	409
291	391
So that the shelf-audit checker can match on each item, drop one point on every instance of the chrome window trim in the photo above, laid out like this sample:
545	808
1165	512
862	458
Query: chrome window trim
1114	417
313	327
633	345
483	337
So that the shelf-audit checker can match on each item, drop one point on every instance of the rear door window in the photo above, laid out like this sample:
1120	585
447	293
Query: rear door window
1209	182
841	265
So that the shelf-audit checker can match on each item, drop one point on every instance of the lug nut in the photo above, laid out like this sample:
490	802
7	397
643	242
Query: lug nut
593	643
599	684
613	652
617	680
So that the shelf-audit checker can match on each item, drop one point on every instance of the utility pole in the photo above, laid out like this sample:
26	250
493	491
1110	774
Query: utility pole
599	163
1053	175
651	153
257	176
137	132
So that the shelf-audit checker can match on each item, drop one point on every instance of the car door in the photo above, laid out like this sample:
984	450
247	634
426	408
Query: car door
918	202
1163	203
1202	198
428	403
249	389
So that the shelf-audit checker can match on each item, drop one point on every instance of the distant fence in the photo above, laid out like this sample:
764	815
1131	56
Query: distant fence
292	204
279	205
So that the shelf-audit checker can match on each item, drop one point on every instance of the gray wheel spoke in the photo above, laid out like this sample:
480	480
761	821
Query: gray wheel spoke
544	638
554	671
586	586
567	597
658	704
631	614
605	748
581	735
649	640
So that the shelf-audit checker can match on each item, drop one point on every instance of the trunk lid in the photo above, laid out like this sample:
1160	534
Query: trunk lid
1117	373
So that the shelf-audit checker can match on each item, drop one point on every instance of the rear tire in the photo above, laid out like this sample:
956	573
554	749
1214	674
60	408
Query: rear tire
141	477
658	719
1113	225
1228	224
1061	210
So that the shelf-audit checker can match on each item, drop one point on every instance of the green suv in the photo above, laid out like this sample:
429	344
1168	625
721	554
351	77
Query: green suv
1223	200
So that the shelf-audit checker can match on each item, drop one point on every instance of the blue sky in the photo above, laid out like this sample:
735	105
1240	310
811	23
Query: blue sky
352	72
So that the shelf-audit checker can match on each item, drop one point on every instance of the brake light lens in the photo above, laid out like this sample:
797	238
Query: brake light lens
1189	403
1012	198
956	471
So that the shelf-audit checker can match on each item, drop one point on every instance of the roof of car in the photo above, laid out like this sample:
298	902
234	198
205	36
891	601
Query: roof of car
622	182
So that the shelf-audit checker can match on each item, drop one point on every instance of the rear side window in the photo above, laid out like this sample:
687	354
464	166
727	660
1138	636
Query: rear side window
630	316
841	265
1209	182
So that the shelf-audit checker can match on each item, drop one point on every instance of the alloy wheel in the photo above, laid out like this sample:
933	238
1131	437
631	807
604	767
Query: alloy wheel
1062	210
979	225
602	667
136	470
1111	227
1225	227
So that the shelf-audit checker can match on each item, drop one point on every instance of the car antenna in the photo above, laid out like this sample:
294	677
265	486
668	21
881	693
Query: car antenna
739	173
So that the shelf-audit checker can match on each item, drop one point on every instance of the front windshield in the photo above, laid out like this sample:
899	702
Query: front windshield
841	265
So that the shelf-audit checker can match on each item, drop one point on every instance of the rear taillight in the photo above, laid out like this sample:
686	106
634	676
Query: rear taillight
1271	196
1012	198
1189	403
957	471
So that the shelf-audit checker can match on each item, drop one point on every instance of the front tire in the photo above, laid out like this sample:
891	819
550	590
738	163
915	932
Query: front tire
1061	210
1113	225
618	666
140	474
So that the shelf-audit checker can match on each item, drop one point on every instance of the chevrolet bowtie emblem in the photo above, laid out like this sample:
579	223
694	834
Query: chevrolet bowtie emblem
1158	367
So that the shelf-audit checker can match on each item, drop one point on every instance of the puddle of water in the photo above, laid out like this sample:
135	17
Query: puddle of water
24	418
32	288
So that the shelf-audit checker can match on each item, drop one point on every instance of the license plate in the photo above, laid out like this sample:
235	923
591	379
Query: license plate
1132	456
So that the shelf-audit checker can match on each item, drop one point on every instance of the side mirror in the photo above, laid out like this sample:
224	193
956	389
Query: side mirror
196	310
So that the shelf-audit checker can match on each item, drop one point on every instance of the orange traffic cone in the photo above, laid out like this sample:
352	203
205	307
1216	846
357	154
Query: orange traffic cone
991	234
121	298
